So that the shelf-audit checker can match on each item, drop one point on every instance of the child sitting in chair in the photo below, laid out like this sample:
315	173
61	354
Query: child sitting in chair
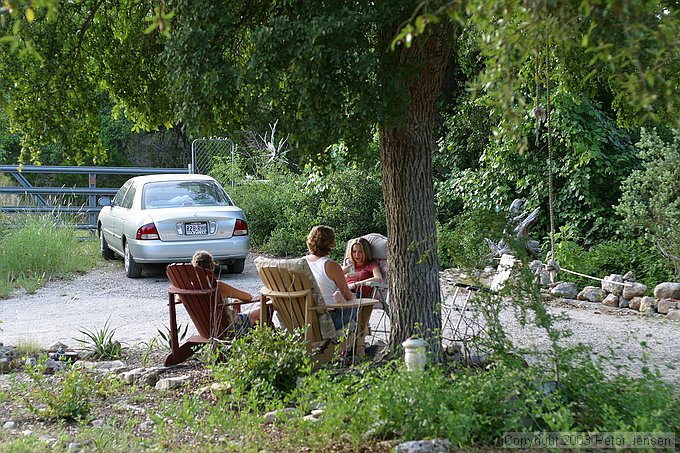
362	268
242	321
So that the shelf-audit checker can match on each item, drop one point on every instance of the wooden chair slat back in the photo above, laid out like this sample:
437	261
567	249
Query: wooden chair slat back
287	276
205	309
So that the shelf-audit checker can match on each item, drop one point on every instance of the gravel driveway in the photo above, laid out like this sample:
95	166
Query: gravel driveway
138	307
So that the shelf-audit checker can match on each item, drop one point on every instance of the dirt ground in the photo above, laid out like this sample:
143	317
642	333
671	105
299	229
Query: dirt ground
137	309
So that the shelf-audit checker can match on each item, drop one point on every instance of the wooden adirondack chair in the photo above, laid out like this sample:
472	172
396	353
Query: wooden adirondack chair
291	290
196	289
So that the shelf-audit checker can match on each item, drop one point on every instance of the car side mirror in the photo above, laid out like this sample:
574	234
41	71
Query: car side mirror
105	201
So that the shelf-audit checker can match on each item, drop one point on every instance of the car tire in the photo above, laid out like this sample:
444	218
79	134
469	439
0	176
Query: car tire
236	267
106	252
132	268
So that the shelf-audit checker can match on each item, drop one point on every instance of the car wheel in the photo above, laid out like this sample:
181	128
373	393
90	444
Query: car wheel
132	268
236	267
107	253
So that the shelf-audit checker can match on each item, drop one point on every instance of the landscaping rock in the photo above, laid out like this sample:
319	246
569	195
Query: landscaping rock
634	303
105	367
666	305
624	303
610	284
172	382
629	277
673	315
424	446
647	305
10	424
612	300
281	414
667	290
130	377
591	294
5	365
566	290
146	426
636	290
57	347
149	379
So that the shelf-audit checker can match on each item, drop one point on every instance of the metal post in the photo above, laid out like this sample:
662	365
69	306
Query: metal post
92	199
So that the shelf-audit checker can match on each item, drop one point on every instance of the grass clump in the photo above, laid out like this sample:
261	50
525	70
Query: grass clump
37	249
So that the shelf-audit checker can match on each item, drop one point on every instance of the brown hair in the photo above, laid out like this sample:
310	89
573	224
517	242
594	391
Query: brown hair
204	260
365	247
321	240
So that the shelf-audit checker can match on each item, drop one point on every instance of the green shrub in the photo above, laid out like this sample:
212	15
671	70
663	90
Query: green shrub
474	408
650	202
353	204
283	209
461	242
616	256
264	364
623	255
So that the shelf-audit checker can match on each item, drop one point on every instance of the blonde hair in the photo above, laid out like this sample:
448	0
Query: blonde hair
321	240
204	260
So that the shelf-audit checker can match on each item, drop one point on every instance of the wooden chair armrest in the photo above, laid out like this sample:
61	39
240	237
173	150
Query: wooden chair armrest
238	302
198	292
363	302
271	293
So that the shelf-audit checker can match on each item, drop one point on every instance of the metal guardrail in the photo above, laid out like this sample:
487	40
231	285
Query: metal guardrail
91	208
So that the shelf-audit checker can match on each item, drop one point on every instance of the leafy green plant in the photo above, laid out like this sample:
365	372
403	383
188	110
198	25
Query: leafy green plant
67	395
149	347
100	343
265	364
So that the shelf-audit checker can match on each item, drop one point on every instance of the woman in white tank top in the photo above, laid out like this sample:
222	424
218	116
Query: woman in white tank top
328	274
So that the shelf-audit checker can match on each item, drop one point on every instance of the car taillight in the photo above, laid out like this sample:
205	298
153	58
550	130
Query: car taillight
241	228
148	231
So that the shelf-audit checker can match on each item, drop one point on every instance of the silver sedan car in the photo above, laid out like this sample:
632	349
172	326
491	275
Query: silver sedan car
166	218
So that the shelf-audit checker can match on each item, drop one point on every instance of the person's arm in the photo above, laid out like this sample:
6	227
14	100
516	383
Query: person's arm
377	277
335	273
227	290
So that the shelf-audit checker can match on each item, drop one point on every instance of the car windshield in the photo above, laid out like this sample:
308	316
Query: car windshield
175	194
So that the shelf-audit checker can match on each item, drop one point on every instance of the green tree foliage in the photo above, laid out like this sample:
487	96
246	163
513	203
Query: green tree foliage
65	59
651	195
591	158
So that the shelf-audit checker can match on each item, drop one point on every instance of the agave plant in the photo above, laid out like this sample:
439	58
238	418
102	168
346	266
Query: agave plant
100	343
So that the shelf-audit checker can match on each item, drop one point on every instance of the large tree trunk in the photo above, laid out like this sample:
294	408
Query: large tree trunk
406	160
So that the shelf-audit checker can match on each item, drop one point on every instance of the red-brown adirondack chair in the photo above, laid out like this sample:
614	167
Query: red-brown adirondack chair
196	289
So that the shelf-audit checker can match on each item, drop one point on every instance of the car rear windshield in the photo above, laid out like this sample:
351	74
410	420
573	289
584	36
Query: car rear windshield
175	194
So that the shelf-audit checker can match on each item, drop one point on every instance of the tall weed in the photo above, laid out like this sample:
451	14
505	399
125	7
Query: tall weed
37	249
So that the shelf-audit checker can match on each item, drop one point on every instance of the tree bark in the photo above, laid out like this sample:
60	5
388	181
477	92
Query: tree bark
406	163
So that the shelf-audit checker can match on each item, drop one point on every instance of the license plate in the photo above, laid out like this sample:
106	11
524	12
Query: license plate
196	228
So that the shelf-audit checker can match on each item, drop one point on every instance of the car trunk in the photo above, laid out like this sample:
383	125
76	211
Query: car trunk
196	223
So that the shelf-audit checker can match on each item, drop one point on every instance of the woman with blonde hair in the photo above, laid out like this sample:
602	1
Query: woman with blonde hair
328	274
